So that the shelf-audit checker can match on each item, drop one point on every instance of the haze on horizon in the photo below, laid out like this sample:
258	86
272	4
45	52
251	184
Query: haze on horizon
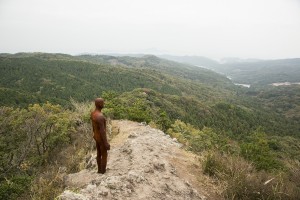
267	29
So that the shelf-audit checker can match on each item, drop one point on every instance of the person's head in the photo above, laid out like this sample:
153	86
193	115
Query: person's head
99	103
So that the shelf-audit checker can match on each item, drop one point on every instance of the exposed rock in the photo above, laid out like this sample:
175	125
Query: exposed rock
133	135
159	165
138	168
69	195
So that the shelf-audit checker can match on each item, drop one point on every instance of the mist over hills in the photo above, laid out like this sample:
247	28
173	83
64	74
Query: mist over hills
264	72
193	60
255	72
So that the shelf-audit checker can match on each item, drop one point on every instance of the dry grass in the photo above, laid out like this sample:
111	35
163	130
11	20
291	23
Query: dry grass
242	181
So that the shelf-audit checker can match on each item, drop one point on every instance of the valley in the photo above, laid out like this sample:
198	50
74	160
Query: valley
204	110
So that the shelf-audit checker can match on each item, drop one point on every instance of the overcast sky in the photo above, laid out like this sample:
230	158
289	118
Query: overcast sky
213	28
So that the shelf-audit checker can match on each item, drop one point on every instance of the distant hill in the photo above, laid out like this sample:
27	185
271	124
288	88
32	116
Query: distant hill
249	71
242	135
228	60
186	71
193	94
263	72
39	77
193	60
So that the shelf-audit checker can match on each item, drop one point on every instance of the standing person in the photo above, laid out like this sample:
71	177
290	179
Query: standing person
99	129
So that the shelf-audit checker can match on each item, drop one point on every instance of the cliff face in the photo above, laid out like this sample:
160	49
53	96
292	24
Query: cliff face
143	163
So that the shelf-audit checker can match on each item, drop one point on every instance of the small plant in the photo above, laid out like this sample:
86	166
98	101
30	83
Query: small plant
48	184
212	165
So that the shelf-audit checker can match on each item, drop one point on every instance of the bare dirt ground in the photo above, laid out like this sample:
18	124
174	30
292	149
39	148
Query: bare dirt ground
143	163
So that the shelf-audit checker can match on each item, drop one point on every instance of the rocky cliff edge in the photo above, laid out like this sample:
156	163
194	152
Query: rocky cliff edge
143	163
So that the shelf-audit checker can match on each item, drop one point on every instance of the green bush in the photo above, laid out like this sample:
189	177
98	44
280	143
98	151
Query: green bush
30	139
197	140
257	149
14	187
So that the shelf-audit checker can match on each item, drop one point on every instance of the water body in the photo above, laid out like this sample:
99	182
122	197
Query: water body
243	85
239	84
285	84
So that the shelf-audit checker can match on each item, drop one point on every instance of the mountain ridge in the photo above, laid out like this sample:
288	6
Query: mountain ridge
249	71
235	128
144	163
57	76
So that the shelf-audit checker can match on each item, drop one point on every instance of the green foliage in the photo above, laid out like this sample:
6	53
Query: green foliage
135	106
29	137
189	72
181	131
138	112
285	147
284	100
236	121
188	93
208	139
262	72
14	187
201	109
257	150
197	140
163	121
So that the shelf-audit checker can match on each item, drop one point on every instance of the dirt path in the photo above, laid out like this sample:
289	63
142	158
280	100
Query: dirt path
144	163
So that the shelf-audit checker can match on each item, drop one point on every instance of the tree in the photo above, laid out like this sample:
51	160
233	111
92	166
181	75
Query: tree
257	150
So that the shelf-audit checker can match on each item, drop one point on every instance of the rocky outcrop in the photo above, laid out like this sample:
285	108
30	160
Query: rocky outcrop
138	168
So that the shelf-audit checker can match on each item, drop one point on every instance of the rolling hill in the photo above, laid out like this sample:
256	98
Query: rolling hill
236	128
201	97
57	77
255	72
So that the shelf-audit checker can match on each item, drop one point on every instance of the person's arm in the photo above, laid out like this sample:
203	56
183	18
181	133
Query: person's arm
102	130
91	118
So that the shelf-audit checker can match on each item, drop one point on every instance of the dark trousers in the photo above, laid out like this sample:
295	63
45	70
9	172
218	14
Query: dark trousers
101	157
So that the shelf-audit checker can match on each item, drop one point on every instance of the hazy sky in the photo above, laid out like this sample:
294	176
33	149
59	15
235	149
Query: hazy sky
212	28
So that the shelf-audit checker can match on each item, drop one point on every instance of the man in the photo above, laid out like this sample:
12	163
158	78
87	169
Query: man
99	129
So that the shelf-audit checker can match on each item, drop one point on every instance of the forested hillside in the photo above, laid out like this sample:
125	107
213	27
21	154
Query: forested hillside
249	71
31	78
202	97
202	109
263	72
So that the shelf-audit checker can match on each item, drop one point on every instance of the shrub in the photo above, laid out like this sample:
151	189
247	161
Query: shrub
48	184
212	165
224	165
14	187
257	150
244	182
197	140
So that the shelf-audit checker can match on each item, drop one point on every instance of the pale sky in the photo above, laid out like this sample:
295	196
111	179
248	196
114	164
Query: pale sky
265	29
